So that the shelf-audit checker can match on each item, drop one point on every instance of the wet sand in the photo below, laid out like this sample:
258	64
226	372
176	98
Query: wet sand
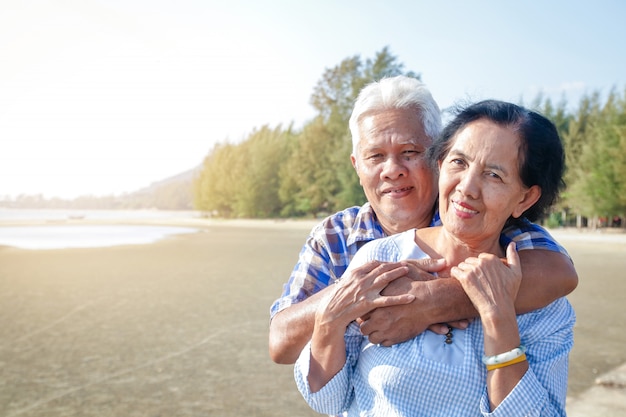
179	327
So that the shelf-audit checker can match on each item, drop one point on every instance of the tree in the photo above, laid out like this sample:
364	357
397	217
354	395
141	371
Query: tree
213	191
243	180
574	139
597	152
258	189
308	179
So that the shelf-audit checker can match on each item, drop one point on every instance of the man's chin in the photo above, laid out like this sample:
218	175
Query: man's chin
404	219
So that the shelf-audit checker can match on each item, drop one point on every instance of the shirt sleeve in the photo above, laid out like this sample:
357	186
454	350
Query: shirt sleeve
527	235
310	274
542	391
338	394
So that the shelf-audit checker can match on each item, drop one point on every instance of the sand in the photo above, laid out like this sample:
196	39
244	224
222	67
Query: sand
179	327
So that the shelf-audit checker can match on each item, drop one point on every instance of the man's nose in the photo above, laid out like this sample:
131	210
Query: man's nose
394	168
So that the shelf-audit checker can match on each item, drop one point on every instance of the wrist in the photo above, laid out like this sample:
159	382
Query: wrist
504	359
326	334
501	334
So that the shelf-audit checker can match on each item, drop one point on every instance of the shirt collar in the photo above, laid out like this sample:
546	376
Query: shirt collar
366	226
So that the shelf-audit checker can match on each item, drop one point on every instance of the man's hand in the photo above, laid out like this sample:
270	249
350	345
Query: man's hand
361	293
291	328
395	324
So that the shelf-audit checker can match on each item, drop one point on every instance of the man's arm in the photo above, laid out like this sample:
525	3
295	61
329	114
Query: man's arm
291	329
547	275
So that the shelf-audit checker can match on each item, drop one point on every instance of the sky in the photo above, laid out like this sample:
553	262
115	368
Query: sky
105	97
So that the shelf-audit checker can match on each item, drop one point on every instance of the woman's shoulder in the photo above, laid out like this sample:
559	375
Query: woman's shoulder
395	241
392	248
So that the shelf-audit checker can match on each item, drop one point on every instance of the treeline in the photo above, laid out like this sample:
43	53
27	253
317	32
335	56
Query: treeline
594	136
282	172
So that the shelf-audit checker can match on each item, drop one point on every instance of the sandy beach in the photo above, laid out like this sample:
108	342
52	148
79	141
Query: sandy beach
179	327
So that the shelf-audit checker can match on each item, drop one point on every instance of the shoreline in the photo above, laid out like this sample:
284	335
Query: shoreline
165	221
570	232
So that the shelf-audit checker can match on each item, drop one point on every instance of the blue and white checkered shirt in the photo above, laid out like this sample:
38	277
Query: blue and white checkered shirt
425	376
332	244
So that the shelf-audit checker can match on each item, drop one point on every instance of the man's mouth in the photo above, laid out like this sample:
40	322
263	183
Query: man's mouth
397	190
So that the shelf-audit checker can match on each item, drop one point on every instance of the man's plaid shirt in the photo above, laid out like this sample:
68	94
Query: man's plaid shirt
331	245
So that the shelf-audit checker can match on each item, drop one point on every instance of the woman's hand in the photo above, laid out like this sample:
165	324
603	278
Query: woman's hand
490	283
359	292
492	286
355	294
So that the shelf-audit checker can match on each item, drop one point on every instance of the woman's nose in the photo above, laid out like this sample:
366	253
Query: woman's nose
469	185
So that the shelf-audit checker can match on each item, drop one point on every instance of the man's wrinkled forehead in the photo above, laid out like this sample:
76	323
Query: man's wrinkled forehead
406	124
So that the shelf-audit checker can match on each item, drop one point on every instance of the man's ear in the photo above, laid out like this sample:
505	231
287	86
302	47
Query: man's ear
529	198
355	165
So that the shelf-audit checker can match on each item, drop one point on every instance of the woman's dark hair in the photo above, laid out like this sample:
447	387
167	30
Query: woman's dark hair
542	159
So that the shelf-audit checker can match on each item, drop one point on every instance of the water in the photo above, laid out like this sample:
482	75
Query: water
70	236
59	236
63	214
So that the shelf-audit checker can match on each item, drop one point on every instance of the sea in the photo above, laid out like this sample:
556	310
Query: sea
61	229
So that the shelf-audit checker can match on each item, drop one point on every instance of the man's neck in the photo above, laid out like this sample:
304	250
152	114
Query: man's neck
395	228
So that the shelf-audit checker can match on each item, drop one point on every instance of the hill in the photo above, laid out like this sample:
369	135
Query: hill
172	193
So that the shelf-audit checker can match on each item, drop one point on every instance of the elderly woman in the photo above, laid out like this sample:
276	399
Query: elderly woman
498	163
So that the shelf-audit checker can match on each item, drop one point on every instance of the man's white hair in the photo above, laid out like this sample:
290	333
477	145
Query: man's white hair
398	92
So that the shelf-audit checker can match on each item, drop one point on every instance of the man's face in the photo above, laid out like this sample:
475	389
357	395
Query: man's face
392	170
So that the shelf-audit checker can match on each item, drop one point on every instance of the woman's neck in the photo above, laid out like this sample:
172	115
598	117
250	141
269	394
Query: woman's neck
439	243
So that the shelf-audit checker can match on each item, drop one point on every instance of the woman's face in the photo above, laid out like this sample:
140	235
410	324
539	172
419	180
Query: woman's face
480	184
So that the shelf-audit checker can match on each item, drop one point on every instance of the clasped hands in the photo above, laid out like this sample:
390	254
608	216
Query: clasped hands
378	295
394	302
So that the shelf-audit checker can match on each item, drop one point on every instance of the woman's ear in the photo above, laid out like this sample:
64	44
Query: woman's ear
529	198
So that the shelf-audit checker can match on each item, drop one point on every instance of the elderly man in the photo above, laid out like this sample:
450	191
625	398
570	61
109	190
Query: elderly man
393	122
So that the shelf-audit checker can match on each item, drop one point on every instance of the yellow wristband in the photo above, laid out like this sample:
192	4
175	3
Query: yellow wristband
503	364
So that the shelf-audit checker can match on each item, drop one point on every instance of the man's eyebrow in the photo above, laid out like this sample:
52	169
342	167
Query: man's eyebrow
370	148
